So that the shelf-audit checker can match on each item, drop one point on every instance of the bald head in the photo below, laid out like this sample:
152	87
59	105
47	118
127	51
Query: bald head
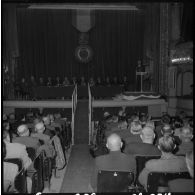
114	142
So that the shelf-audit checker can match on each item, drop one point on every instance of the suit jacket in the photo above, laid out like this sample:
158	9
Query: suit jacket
141	149
181	185
132	139
28	141
185	147
41	136
16	150
171	164
113	161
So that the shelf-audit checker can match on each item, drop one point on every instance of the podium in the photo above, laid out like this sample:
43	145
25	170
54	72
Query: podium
141	74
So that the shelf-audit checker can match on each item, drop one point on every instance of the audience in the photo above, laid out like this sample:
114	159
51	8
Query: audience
184	185
115	160
186	143
25	138
167	163
146	147
66	82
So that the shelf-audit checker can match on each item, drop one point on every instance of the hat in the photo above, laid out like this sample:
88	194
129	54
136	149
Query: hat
22	130
148	132
135	127
39	127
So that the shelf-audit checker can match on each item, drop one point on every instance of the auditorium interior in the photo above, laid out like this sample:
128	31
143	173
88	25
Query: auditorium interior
97	97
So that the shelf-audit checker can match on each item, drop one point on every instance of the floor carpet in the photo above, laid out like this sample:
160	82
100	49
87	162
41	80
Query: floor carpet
78	172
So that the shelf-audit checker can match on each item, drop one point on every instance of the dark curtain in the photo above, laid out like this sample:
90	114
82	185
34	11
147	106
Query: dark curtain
152	41
187	22
117	40
48	42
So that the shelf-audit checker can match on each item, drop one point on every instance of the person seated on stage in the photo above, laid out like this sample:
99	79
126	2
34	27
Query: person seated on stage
25	138
91	82
107	82
82	82
39	132
49	82
32	82
146	147
24	88
167	163
184	185
99	81
186	135
66	82
74	80
57	83
32	85
115	160
41	82
115	81
125	83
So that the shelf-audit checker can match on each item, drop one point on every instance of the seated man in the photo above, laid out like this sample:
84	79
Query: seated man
167	163
39	129
146	147
115	160
24	138
49	130
16	150
184	185
186	143
66	82
10	171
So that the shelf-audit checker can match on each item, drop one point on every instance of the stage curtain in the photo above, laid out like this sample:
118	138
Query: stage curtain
151	47
48	41
117	40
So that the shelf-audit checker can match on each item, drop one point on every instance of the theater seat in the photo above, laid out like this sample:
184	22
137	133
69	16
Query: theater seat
140	164
158	179
114	181
20	181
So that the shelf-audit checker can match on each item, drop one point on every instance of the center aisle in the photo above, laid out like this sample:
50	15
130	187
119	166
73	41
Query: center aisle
79	169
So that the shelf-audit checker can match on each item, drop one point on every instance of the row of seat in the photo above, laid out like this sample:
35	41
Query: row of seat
119	181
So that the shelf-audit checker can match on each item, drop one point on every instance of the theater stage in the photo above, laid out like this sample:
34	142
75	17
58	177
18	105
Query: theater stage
10	105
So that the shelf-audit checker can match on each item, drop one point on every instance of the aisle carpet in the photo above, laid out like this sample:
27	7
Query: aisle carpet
81	128
78	172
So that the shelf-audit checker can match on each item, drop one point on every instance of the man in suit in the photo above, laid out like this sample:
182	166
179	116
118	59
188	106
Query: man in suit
24	138
186	143
167	163
184	185
146	147
39	129
115	160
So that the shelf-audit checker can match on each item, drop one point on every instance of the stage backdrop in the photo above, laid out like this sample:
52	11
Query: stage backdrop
47	43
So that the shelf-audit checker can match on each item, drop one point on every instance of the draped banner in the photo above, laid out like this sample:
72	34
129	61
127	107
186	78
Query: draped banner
83	20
